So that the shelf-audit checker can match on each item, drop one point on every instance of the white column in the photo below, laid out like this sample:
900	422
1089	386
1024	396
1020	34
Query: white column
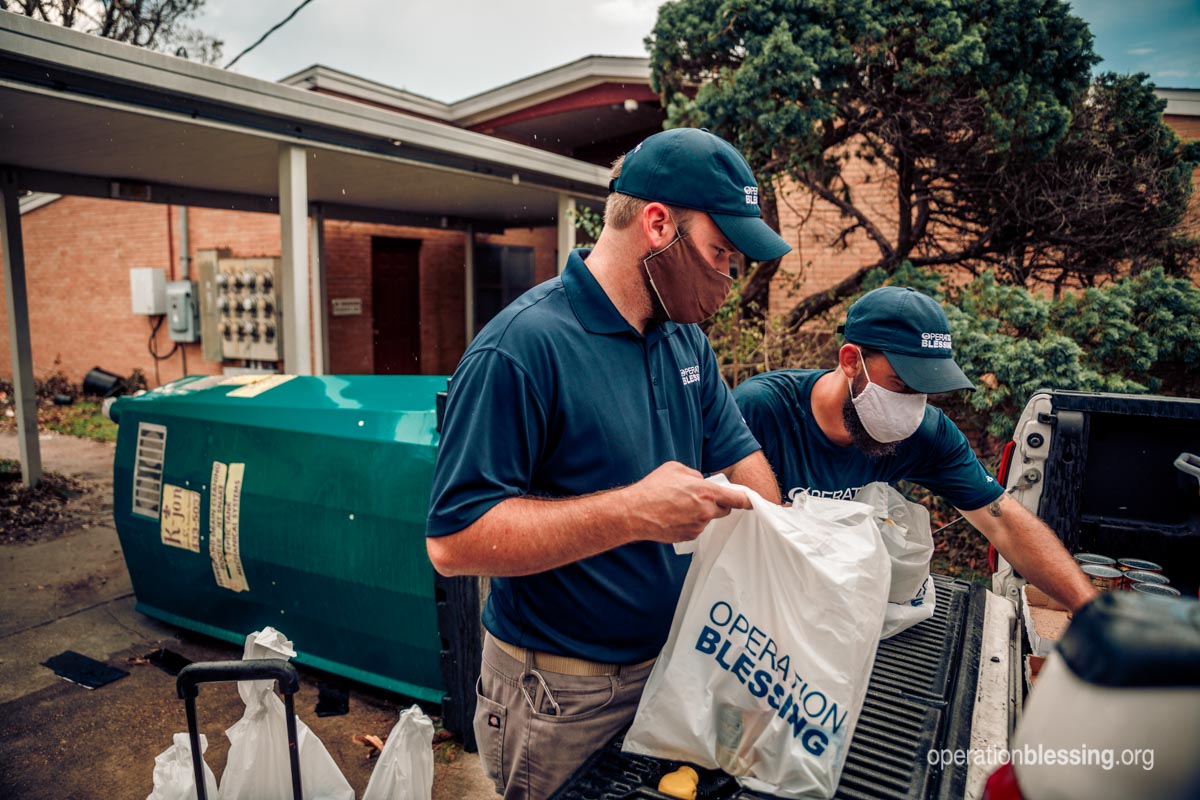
293	219
469	280
566	229
320	306
18	332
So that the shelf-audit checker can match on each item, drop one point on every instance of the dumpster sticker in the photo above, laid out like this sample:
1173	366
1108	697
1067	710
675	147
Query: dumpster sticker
223	535
258	387
181	518
210	381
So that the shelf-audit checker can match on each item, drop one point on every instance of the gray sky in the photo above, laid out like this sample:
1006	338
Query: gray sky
451	49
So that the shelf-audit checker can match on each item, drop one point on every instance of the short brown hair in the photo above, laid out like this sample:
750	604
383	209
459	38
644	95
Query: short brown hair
620	210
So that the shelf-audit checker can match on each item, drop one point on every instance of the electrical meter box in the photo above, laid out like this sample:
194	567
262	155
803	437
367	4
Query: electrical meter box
183	316
148	290
246	308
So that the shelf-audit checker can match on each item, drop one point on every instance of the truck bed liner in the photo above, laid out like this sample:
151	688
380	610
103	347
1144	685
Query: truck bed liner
921	697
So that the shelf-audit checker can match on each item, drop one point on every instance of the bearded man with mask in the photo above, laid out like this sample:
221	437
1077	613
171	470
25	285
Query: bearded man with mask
578	429
831	432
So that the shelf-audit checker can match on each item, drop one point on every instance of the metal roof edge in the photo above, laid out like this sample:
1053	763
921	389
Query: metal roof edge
587	71
155	78
35	200
1182	102
319	76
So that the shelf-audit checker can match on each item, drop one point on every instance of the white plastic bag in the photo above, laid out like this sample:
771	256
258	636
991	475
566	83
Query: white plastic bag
906	533
258	767
174	775
770	650
405	767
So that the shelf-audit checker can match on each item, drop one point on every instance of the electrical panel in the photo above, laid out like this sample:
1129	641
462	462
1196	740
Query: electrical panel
148	290
247	308
183	317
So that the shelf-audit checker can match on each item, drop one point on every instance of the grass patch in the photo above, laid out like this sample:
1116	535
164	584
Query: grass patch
84	419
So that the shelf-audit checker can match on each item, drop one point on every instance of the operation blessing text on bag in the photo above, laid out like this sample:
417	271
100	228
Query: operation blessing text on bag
770	650
812	715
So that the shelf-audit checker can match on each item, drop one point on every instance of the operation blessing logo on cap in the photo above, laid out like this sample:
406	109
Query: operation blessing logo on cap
940	340
751	195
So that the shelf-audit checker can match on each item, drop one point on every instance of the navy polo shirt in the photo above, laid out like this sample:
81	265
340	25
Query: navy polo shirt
559	396
778	408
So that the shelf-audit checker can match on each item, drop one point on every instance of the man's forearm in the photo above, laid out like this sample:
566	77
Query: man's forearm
754	472
525	535
1034	551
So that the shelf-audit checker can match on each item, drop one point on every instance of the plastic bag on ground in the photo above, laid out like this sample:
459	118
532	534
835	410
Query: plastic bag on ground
258	767
908	537
405	767
766	665
174	775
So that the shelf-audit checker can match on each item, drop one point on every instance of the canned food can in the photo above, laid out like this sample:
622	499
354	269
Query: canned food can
1135	576
1106	579
1158	590
1126	564
1092	558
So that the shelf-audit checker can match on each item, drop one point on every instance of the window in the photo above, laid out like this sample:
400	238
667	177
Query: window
502	274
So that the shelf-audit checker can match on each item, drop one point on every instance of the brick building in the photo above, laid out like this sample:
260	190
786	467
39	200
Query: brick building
416	280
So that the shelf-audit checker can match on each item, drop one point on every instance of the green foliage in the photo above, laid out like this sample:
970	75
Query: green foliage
589	223
996	148
788	80
1135	335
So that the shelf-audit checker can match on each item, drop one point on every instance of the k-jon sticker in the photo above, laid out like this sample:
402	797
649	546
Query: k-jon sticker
180	518
224	538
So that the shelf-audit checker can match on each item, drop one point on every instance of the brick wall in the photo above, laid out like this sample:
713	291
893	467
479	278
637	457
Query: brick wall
78	253
811	226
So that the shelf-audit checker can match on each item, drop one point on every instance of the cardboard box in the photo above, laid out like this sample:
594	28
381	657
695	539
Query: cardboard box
1033	665
1045	620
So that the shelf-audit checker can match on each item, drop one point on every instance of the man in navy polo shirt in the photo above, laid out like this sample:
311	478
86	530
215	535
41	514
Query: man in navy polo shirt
831	432
578	430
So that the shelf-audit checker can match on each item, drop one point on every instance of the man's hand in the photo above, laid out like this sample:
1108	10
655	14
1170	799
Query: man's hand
674	503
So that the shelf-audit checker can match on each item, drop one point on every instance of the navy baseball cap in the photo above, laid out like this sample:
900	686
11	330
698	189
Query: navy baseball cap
912	331
692	168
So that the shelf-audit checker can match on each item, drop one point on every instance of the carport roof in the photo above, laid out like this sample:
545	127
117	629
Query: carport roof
78	112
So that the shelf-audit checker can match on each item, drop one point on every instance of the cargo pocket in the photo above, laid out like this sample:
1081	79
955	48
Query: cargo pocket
489	724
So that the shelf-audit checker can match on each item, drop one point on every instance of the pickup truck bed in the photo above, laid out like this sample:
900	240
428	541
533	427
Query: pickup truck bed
921	697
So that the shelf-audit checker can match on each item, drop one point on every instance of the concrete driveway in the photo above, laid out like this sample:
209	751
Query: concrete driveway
72	592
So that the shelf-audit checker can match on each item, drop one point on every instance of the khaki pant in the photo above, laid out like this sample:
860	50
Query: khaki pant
535	728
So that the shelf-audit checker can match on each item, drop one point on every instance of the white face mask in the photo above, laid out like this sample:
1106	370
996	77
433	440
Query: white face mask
886	415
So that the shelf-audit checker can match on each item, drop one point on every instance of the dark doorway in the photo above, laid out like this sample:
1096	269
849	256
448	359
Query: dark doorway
396	304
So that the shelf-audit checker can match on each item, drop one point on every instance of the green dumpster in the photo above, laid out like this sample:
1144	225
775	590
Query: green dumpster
297	502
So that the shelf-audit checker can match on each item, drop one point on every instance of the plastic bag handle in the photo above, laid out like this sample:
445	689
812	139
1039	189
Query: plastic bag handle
256	669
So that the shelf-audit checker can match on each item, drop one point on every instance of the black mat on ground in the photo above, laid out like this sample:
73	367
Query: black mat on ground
87	672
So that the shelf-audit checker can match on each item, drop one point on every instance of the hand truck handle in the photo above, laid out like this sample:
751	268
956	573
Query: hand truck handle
188	687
